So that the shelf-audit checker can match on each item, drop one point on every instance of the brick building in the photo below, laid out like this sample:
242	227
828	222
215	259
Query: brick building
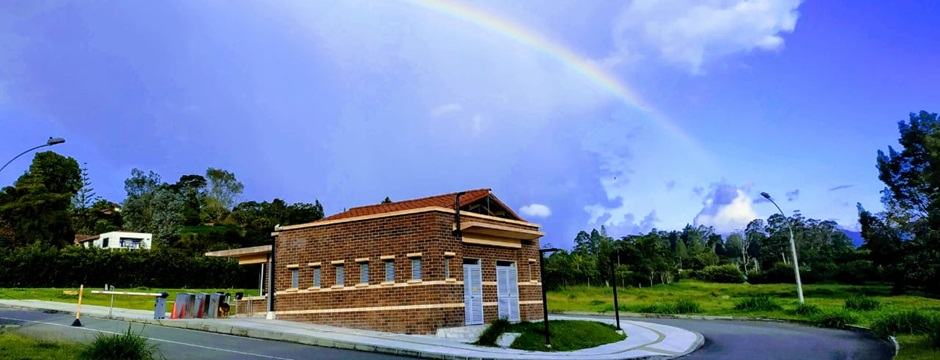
410	267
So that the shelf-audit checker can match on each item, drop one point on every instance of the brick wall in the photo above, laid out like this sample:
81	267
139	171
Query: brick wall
413	308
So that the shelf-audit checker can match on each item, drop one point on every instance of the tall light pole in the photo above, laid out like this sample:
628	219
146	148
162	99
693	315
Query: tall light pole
548	338
796	264
50	142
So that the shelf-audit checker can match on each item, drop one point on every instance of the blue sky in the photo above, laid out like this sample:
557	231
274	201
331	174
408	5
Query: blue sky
351	101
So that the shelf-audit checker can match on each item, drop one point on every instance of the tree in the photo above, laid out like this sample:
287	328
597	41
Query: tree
153	207
737	245
193	189
38	206
82	218
912	176
224	190
387	200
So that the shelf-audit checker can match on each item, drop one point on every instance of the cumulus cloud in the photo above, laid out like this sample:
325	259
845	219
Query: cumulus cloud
690	32
727	208
793	195
536	210
445	109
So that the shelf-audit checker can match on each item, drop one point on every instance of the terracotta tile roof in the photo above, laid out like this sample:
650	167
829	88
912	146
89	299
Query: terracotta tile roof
445	200
83	238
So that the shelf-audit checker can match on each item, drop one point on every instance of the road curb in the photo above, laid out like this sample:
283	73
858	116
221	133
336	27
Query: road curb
304	339
855	328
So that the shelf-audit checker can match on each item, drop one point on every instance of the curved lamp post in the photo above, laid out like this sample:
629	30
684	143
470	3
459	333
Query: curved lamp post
796	265
50	142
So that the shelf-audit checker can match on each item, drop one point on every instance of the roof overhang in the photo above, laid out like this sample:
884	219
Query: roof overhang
245	256
480	233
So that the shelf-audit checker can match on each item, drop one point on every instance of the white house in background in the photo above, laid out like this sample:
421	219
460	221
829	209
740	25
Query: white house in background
116	240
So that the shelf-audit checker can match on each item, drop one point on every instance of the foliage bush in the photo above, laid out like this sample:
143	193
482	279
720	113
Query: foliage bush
862	303
912	322
73	265
126	346
659	308
685	306
839	319
758	303
489	336
806	309
728	274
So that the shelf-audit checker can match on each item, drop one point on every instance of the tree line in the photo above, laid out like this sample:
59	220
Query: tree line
54	200
901	244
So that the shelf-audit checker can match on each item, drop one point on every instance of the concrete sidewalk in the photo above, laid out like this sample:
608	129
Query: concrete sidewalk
644	340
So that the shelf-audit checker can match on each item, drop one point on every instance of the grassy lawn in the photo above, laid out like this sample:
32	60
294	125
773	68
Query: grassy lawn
18	347
720	299
126	302
567	335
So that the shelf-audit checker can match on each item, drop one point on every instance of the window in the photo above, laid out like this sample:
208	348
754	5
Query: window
389	270
294	278
416	269
104	243
364	273
339	275
447	268
316	276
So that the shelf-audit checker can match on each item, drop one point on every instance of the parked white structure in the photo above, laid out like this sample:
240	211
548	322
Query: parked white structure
118	240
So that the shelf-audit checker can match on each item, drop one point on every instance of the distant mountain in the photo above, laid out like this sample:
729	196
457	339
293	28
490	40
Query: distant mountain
856	237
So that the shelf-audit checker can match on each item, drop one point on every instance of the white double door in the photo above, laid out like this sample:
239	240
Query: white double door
507	291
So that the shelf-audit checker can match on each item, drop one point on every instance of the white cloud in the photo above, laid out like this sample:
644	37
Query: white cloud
536	210
727	208
445	109
691	32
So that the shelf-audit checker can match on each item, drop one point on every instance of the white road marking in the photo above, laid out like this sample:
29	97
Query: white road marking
154	339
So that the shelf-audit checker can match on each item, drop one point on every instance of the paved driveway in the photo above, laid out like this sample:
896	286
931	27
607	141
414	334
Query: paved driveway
769	340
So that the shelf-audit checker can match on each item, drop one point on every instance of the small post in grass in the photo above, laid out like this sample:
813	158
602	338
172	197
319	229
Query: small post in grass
78	312
548	337
613	278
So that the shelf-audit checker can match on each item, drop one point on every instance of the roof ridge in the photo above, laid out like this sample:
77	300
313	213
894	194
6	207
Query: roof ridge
419	199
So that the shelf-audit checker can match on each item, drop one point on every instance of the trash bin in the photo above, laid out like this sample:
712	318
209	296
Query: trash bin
199	305
212	310
181	307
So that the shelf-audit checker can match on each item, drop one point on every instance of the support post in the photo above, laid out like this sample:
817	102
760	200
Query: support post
613	276
78	312
548	337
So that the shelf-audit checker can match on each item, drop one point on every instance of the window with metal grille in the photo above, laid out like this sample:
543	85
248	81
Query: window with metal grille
416	269
364	273
294	278
316	277
339	275
389	270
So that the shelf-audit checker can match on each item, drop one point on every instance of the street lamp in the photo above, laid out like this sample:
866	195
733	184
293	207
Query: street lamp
796	265
548	338
50	142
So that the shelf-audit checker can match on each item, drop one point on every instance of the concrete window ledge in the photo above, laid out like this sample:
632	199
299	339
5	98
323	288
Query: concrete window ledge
387	283
415	281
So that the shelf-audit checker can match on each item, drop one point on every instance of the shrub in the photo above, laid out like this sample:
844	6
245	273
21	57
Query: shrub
596	302
911	322
684	306
489	336
933	338
758	303
862	303
729	274
126	346
806	309
659	308
839	319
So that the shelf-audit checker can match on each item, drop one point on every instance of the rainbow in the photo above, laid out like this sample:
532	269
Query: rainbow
567	57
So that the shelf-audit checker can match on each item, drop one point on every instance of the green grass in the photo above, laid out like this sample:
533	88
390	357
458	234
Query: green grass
126	346
567	335
862	302
126	302
825	304
758	303
13	346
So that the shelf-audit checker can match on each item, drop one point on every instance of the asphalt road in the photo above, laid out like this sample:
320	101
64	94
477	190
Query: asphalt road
769	340
173	343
